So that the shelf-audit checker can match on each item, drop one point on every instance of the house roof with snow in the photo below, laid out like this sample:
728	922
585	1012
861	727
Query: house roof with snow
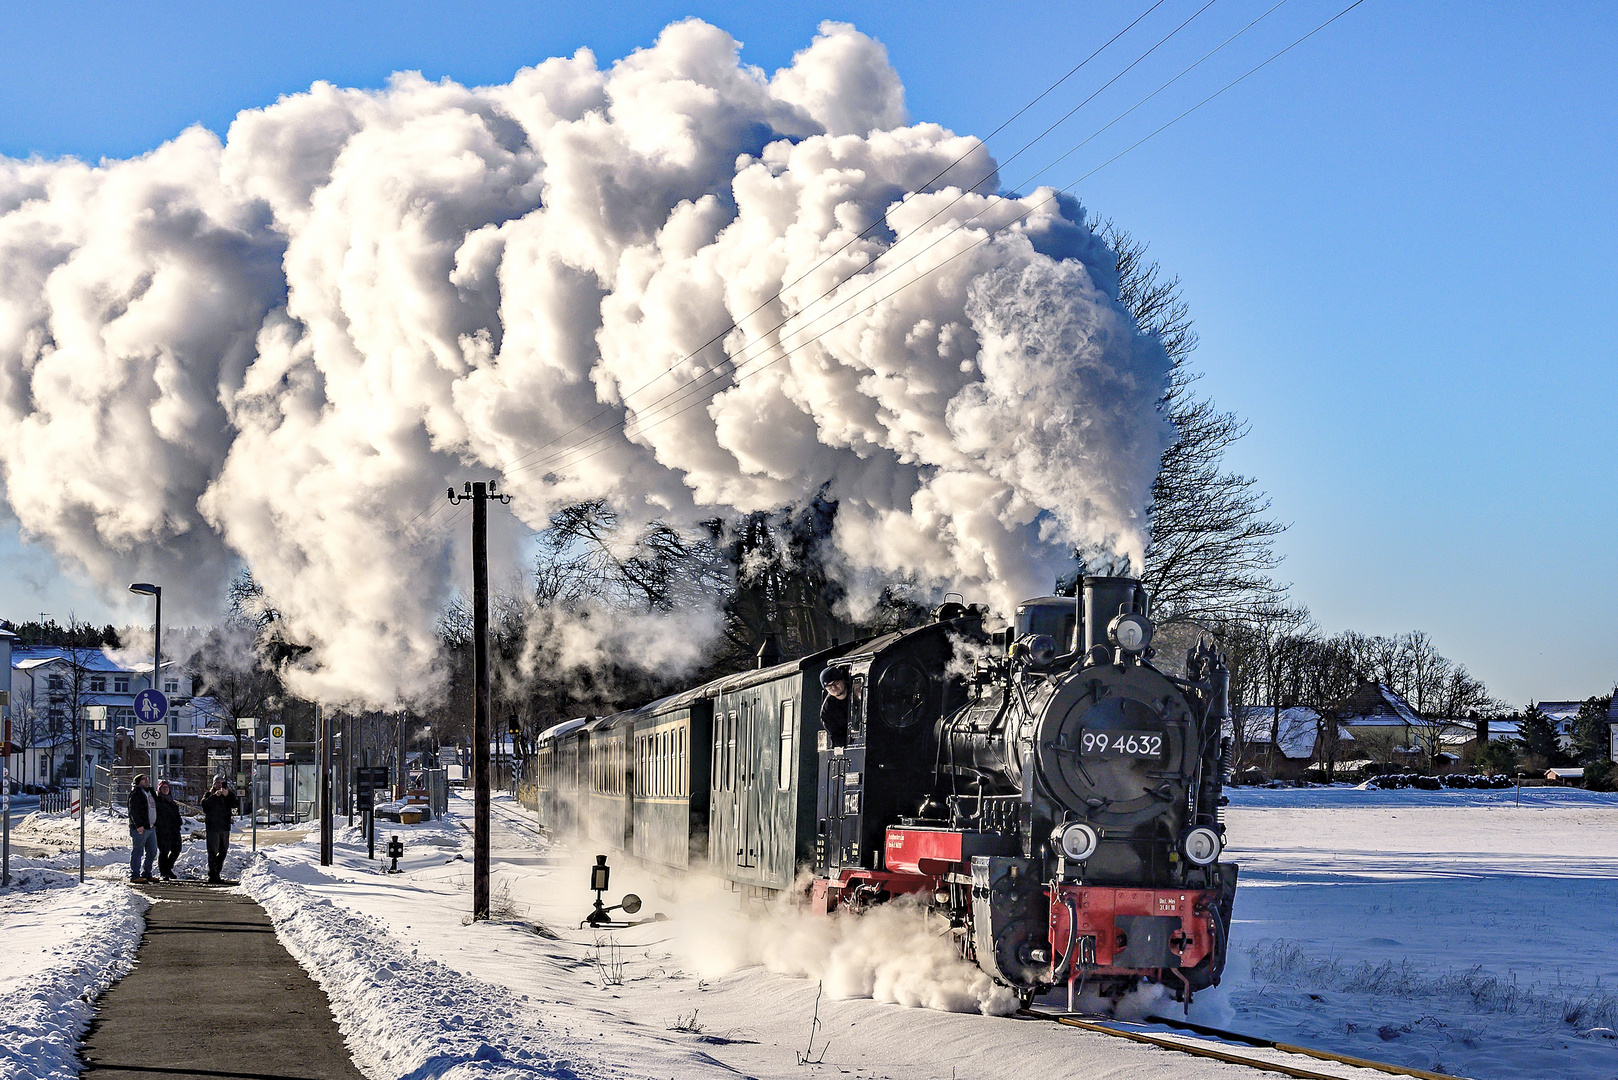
1559	712
1299	727
25	657
1375	705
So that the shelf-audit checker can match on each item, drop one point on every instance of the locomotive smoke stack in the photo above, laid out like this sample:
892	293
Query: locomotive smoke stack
769	653
1104	599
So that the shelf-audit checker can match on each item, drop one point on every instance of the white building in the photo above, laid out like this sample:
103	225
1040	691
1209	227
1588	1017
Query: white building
49	683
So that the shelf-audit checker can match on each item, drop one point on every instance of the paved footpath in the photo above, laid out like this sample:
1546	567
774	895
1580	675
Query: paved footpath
213	996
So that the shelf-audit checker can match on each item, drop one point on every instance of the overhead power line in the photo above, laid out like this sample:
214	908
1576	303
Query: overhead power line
882	218
735	376
761	343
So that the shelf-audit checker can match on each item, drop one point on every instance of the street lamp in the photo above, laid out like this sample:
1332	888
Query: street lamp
143	588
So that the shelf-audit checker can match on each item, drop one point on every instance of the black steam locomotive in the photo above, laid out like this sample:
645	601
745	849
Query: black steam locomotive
1048	790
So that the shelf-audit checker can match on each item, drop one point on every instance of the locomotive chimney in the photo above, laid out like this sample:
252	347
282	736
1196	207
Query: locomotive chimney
769	653
1104	599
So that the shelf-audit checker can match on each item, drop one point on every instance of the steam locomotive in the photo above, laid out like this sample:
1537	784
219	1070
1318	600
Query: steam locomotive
1048	790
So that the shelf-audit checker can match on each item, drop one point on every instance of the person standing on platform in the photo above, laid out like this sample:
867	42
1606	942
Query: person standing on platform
142	829
218	808
168	830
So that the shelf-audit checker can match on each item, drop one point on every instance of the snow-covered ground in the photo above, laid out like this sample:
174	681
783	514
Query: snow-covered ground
1445	930
1450	930
61	942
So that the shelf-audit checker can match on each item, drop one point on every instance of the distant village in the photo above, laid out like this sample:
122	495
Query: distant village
1375	732
1372	733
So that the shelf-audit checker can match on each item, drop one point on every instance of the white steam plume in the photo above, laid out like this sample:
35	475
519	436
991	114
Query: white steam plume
279	348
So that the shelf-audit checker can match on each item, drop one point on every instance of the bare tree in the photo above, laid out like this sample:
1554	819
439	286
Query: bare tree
1211	550
232	668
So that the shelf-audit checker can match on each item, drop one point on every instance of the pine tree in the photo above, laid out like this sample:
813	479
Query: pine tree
1590	736
1538	736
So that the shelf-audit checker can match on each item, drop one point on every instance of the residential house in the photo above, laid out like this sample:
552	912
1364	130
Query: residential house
1561	714
49	683
1386	729
1286	755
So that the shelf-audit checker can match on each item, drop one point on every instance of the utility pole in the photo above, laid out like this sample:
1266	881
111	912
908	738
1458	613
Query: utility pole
480	494
323	729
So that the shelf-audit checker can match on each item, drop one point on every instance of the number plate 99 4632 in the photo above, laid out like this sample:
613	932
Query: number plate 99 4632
1140	744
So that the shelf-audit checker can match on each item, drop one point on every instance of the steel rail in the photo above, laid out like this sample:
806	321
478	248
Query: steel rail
1216	1054
1290	1048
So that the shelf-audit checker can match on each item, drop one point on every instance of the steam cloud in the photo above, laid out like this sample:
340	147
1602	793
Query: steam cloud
277	349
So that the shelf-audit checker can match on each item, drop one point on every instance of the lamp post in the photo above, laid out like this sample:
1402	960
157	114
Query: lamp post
156	592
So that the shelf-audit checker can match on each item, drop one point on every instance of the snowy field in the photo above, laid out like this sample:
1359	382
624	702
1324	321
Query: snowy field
1444	930
1448	930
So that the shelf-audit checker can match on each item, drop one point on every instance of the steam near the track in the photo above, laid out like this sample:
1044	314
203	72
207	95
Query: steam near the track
280	349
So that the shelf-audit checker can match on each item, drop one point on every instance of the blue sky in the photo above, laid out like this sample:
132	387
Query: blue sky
1396	242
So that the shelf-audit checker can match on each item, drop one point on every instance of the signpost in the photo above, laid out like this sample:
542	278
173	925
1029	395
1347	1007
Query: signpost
151	725
98	714
5	787
368	780
248	726
278	766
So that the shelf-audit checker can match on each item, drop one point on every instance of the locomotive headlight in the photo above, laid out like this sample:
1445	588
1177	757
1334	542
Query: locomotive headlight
1131	632
1202	846
1076	840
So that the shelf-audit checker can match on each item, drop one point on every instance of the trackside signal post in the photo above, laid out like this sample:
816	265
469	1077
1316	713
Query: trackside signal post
479	494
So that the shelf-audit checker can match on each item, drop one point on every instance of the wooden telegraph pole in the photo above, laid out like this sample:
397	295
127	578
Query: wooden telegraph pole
480	494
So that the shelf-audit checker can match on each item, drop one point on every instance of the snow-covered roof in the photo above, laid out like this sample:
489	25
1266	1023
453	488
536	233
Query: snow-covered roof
1562	773
31	656
1393	711
566	727
1299	726
1559	711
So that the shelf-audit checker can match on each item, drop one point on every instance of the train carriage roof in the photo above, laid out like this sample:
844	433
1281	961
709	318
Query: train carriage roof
565	728
853	652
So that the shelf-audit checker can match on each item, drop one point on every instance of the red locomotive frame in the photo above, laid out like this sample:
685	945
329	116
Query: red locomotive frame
1082	923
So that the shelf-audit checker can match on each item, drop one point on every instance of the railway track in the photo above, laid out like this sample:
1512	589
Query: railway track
515	819
1202	1046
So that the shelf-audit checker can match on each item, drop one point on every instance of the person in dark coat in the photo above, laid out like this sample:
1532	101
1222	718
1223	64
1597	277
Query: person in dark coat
834	706
168	830
142	829
218	808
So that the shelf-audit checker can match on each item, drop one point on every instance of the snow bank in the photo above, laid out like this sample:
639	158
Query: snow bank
65	944
402	1014
105	828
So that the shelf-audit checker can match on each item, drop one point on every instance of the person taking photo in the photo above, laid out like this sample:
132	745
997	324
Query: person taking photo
218	808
